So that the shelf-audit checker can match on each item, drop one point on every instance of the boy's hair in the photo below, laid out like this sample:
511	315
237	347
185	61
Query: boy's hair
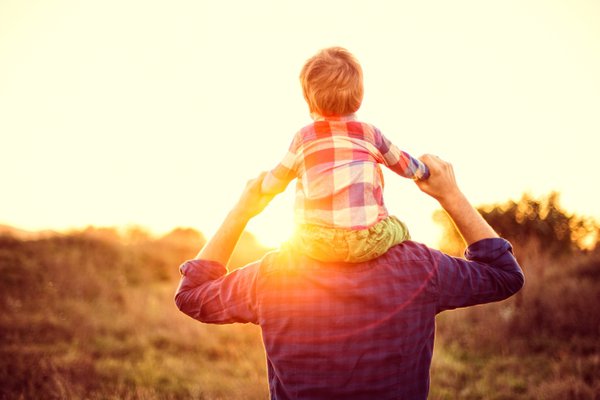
332	82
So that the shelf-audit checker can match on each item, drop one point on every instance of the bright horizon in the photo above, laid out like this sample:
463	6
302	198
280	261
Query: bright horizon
155	114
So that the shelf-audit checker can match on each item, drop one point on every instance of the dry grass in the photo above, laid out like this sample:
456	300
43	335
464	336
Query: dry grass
92	316
89	318
541	344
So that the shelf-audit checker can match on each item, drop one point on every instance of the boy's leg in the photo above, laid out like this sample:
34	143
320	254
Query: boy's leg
320	243
332	244
378	240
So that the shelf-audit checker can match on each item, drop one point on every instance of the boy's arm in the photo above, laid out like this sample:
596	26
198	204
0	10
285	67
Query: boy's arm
400	161
279	177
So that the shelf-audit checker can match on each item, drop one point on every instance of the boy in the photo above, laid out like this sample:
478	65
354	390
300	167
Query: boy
339	209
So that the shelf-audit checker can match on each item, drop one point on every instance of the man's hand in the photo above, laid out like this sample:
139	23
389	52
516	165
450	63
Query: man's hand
252	201
442	186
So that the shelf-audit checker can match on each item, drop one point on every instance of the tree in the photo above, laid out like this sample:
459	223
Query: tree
528	220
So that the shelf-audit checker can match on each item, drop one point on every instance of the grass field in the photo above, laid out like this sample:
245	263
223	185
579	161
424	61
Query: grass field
91	315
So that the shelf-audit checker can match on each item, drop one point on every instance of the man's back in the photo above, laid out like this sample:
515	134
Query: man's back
348	330
353	331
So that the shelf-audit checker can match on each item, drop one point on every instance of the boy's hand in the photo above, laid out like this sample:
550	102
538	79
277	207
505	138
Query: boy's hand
441	184
252	201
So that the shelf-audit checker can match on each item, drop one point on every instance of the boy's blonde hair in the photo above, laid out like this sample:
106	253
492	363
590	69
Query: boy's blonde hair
332	82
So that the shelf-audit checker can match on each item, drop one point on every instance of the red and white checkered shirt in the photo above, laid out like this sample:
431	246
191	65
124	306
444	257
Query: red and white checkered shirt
337	163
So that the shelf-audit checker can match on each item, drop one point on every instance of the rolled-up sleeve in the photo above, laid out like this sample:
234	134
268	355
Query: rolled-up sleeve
400	161
279	177
209	294
489	273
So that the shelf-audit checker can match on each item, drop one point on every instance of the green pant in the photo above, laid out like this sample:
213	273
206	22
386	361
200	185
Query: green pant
334	244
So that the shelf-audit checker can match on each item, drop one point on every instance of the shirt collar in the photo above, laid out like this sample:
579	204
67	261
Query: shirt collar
343	118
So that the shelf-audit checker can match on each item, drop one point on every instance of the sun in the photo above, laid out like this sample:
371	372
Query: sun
275	224
271	234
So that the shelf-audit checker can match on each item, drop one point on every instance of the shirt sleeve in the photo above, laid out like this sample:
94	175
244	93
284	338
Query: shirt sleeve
400	161
209	294
489	273
279	177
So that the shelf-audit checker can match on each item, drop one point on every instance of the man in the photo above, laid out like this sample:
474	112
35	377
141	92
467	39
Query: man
351	331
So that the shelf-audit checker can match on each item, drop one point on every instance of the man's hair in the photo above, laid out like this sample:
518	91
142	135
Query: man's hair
332	82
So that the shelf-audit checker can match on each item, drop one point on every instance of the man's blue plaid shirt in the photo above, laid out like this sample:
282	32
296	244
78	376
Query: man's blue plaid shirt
349	331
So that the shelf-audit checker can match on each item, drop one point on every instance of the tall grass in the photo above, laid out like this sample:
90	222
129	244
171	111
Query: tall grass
83	317
91	315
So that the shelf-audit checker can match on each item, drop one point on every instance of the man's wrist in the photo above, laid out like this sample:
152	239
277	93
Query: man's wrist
452	200
469	223
239	213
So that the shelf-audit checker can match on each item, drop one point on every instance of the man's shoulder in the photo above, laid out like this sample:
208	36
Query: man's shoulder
408	251
284	260
287	261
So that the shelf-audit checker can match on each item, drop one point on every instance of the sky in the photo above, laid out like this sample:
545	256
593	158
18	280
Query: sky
156	113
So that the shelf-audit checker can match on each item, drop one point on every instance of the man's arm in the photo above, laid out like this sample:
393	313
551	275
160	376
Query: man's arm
490	271
206	291
442	186
250	204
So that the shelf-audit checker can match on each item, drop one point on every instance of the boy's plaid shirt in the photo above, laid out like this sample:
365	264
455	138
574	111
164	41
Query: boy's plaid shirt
337	163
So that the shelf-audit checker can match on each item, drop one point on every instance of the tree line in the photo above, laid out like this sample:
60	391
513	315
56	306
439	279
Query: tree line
530	221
